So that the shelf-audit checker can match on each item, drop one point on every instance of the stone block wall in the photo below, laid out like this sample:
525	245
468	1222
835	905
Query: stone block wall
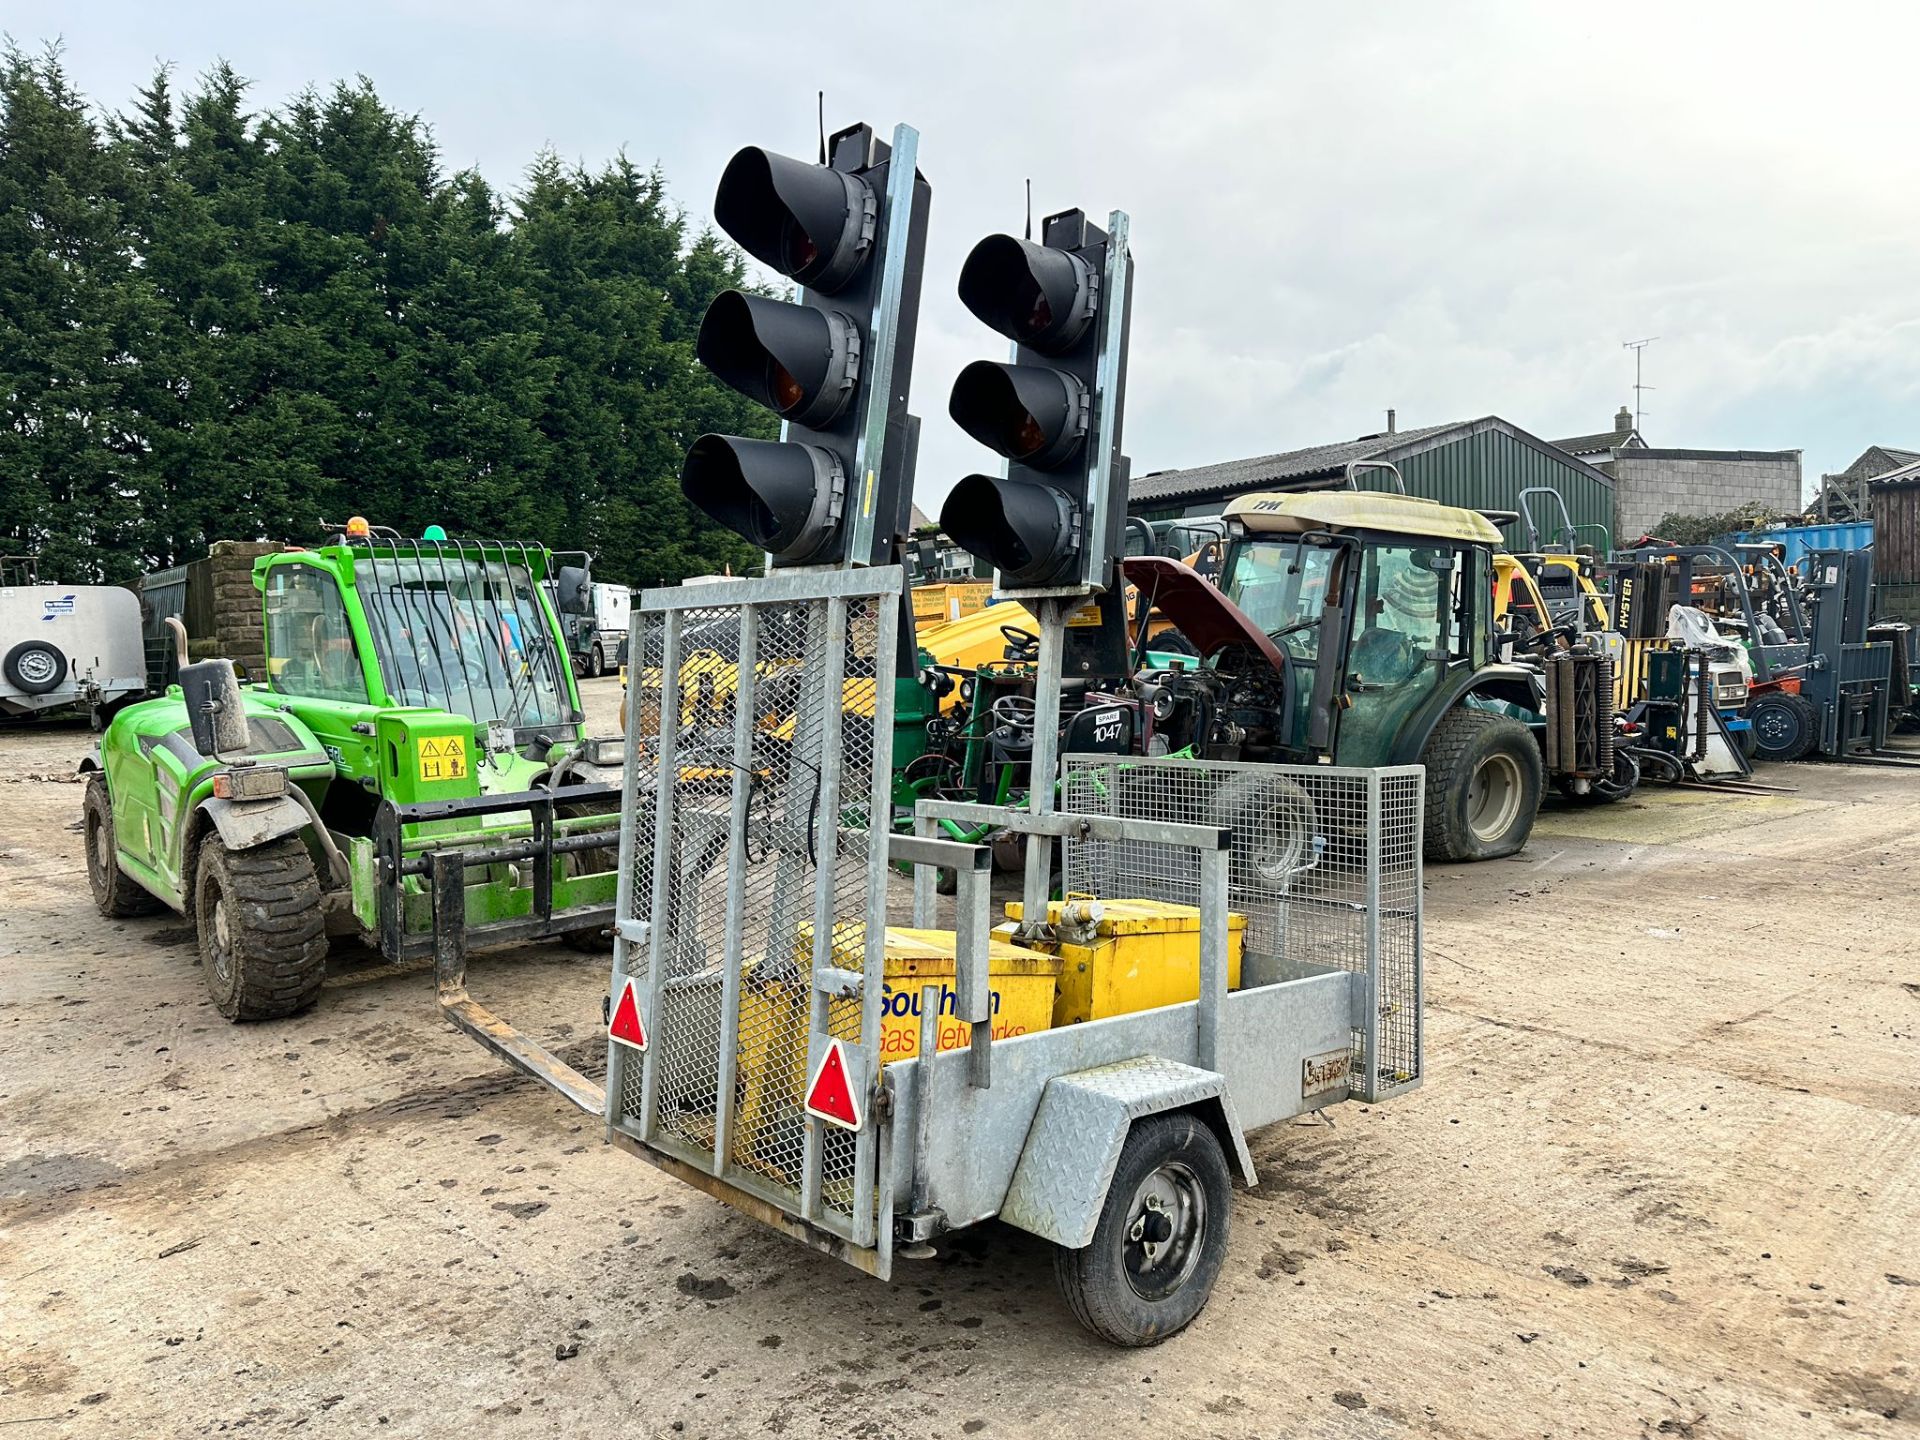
1649	484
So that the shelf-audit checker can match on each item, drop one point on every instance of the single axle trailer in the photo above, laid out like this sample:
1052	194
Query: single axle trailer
780	1040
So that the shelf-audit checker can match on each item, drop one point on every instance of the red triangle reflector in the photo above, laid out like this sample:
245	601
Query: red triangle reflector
830	1095
625	1025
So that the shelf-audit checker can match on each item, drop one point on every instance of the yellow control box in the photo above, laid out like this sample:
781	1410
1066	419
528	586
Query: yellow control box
773	1012
1142	954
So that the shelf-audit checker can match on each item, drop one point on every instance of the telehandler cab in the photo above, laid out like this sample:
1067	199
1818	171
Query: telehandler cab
418	726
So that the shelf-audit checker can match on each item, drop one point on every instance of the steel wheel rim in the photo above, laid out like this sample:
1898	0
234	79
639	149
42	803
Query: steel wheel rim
97	857
1282	843
222	940
1170	1203
36	667
1493	797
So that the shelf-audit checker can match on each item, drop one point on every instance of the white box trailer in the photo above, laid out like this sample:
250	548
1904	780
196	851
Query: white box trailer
63	646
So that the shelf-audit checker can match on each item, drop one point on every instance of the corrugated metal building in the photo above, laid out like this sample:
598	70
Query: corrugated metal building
1475	464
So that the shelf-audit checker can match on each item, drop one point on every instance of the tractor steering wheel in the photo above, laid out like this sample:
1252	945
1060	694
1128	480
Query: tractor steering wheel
1021	644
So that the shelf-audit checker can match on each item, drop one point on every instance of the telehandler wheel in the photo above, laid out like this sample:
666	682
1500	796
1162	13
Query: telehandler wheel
1484	778
114	893
599	939
1785	726
1273	821
1161	1238
263	941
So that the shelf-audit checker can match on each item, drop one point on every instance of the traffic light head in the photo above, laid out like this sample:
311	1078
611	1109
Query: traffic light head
815	224
832	364
1053	411
1038	297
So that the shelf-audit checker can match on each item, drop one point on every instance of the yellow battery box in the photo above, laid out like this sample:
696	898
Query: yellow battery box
1143	954
773	1013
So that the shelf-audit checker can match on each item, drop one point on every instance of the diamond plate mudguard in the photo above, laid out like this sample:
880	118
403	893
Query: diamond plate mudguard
1082	1121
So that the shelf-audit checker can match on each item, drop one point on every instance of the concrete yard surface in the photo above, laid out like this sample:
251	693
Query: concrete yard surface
1663	1180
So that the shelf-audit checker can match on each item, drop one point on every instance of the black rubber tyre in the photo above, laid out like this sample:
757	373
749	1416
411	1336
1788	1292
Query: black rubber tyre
115	895
1484	778
1785	726
1747	742
596	664
1131	1291
599	939
33	667
263	941
1273	829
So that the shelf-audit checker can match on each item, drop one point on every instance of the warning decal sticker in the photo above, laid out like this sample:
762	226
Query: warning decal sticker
444	757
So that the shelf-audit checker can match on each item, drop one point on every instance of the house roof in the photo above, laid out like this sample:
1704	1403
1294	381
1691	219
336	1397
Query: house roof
1624	435
1877	460
1327	462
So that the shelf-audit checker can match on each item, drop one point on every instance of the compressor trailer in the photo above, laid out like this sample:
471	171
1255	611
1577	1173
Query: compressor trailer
864	1087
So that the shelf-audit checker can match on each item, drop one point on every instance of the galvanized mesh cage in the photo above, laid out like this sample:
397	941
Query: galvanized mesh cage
1325	865
760	720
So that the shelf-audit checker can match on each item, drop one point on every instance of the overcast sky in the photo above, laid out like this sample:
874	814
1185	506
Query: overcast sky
1451	209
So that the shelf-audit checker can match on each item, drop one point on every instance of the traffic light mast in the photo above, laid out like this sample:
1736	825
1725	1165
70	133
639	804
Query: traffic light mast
1051	522
836	488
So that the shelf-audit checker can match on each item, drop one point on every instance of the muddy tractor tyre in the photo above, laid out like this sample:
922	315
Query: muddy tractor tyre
1484	778
1161	1237
263	941
1785	726
115	895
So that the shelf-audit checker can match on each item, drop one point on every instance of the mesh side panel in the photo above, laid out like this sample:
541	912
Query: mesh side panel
1300	871
686	1022
1397	1062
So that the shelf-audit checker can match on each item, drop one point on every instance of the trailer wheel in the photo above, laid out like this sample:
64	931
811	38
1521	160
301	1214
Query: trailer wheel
1161	1237
263	941
1785	726
114	893
1273	826
1484	778
33	667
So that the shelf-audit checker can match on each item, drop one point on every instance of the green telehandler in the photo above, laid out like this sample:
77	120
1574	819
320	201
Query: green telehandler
415	747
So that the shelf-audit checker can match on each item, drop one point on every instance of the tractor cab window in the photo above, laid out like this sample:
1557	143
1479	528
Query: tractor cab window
465	635
1282	585
1406	612
310	648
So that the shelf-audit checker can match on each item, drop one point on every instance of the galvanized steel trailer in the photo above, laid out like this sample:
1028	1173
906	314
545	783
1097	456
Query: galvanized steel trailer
754	904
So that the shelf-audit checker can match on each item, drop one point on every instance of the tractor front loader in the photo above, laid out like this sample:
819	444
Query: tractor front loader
417	705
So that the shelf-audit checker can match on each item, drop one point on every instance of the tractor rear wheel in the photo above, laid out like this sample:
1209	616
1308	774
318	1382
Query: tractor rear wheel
263	940
1484	778
1785	726
1161	1236
114	893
